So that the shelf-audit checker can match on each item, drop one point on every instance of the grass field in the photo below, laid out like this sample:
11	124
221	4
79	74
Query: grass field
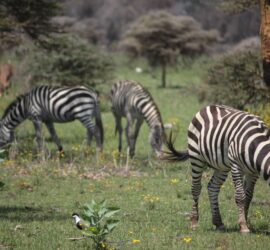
38	198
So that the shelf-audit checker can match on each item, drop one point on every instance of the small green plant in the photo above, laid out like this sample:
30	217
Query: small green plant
99	217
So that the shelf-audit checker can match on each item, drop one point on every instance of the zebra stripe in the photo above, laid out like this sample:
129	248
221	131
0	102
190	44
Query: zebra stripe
50	104
131	100
227	140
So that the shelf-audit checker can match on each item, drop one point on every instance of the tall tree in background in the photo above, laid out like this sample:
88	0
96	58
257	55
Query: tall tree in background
30	17
265	39
242	5
161	37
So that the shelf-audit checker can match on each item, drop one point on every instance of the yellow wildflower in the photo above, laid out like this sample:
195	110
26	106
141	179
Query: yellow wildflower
187	239
174	181
136	241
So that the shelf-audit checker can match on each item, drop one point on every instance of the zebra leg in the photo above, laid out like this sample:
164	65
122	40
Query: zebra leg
214	185
38	128
130	136
98	137
90	132
53	134
137	128
240	197
196	172
249	184
119	129
92	129
134	135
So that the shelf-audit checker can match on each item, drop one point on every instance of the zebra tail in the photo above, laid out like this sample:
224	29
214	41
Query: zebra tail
99	123
173	154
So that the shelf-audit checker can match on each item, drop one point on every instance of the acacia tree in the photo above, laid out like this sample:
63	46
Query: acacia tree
161	37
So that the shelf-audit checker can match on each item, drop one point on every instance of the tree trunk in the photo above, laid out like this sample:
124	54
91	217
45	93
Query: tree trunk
163	75
265	39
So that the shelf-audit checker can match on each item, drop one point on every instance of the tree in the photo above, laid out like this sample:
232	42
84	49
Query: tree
29	17
232	81
70	61
265	39
161	37
241	5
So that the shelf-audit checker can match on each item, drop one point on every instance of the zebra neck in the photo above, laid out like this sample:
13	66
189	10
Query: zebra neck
155	126
15	114
157	130
153	120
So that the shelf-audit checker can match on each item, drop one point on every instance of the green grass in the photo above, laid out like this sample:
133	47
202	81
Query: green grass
38	198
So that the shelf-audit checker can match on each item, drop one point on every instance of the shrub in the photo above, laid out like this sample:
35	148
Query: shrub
99	223
235	80
71	61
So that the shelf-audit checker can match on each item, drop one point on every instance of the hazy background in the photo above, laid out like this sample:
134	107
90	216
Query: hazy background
105	21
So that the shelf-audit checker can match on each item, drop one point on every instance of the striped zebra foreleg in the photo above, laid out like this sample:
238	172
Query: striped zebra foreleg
134	135
137	128
240	197
249	184
214	185
197	170
54	135
130	135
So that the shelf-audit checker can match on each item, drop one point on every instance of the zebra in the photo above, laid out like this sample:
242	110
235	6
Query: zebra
227	140
49	104
131	100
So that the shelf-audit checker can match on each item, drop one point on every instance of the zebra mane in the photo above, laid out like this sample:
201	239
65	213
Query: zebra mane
13	104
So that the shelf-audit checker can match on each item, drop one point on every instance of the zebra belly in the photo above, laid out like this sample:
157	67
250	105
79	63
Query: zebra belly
56	120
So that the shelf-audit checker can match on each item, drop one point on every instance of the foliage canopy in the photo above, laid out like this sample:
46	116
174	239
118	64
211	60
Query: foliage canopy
161	37
28	17
234	80
71	61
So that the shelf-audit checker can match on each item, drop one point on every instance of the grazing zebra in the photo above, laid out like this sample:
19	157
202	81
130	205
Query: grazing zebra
50	104
131	100
227	140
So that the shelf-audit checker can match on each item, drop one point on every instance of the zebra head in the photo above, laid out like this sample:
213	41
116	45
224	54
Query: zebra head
157	137
6	135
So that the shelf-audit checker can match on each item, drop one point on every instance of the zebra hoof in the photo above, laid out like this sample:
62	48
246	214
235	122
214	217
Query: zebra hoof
244	230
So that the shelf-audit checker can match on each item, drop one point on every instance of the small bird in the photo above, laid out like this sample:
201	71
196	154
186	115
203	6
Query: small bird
80	223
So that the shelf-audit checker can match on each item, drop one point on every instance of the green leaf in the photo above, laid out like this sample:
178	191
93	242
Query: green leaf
102	212
111	224
112	211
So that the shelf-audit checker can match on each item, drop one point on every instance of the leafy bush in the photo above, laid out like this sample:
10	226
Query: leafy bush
235	80
71	61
